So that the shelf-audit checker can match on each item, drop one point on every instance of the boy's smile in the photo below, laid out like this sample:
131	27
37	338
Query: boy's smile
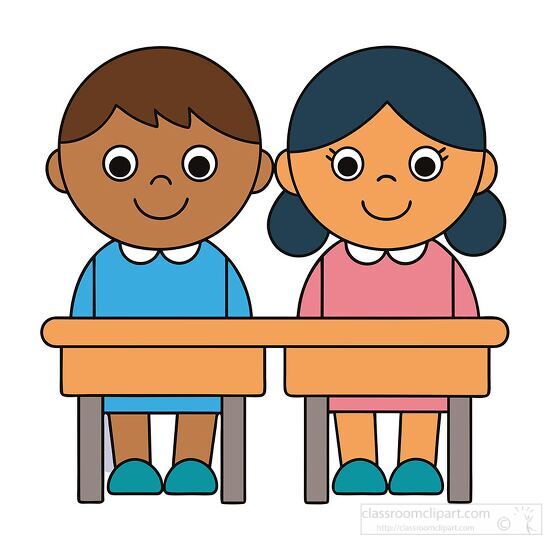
168	217
158	187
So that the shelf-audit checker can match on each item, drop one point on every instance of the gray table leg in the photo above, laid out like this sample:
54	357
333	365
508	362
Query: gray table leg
90	449
233	447
316	450
459	452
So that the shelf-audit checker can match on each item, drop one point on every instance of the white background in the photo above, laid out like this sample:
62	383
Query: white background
273	49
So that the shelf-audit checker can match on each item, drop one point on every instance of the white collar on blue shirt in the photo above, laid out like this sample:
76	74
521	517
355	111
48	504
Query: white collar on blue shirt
371	255
146	255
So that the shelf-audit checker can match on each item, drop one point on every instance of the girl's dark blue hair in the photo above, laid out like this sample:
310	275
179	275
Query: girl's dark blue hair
350	91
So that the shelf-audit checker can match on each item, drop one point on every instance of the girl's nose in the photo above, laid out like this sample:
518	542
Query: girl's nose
386	176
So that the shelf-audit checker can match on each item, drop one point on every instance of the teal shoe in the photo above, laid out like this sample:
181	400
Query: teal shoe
134	477
190	477
416	476
359	477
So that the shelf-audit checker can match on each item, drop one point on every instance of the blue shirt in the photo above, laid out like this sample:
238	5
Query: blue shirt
208	285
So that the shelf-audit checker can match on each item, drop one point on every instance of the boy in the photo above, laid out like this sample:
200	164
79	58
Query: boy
160	149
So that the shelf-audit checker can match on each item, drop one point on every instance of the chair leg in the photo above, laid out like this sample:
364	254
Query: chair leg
108	459
459	451
316	450
90	450
233	447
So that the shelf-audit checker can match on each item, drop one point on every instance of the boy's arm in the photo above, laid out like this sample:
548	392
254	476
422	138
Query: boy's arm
465	302
238	302
310	300
83	304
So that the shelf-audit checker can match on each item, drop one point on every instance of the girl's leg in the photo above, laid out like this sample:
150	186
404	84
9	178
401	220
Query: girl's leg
194	436
356	433
359	473
416	473
418	436
131	437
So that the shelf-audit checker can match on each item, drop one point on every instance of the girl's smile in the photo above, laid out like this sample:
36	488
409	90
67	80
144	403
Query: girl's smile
389	218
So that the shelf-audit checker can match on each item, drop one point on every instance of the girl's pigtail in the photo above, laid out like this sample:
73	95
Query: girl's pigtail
480	228
292	229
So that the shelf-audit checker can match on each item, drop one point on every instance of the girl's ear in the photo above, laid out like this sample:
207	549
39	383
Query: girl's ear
489	174
265	171
282	172
53	172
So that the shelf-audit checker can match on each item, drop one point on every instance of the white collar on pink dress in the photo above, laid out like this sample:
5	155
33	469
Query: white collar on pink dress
372	255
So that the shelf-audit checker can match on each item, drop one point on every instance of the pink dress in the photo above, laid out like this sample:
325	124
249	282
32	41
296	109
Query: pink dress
434	285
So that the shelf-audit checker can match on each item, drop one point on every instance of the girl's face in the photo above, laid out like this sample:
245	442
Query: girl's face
387	185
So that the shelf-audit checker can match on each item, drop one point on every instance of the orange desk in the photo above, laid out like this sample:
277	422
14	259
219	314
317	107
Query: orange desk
323	357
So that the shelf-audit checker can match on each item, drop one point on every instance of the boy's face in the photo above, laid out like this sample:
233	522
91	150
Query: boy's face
160	187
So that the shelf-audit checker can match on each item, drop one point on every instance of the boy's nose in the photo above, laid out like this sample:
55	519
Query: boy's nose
386	176
160	178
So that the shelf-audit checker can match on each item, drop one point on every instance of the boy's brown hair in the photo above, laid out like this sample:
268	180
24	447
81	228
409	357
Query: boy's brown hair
164	81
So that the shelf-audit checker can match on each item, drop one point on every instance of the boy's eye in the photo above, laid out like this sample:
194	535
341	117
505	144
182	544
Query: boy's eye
199	163
120	163
425	163
347	164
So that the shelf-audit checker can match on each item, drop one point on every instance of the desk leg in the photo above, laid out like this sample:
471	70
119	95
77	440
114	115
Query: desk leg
90	449
459	451
316	450
233	476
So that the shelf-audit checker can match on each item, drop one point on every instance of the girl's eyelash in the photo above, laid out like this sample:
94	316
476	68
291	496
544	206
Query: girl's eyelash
333	151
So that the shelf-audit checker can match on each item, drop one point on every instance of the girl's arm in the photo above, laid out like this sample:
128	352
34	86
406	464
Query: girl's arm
465	301
310	300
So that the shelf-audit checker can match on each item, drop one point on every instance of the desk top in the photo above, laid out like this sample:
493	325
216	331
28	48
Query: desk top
66	332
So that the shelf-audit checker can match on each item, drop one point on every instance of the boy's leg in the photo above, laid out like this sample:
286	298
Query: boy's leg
418	436
194	437
356	433
134	473
193	443
131	437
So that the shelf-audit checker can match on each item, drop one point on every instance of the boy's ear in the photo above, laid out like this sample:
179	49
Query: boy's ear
489	174
264	172
53	171
282	172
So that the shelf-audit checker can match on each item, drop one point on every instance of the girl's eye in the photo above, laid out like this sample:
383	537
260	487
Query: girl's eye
120	163
199	163
425	163
347	164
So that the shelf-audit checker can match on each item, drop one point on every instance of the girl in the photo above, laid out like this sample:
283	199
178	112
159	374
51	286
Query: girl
386	150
